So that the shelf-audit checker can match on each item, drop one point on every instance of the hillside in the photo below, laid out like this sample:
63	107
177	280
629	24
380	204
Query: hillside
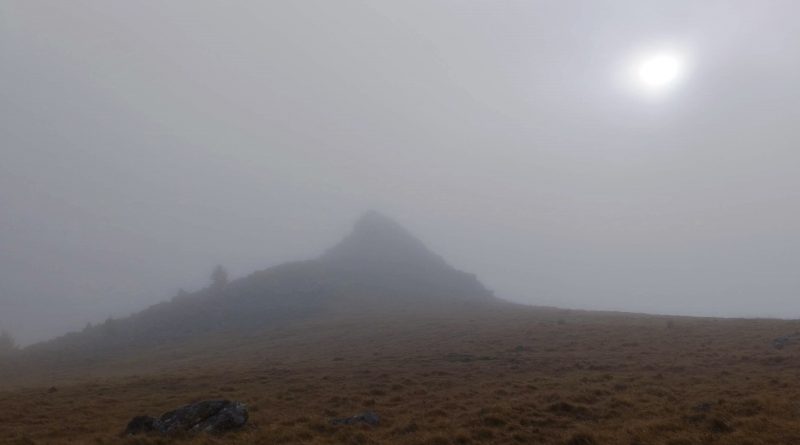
504	374
378	268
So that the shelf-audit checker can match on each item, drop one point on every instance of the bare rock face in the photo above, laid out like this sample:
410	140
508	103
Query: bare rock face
209	416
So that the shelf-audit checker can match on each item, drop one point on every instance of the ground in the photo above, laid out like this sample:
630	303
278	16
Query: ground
508	375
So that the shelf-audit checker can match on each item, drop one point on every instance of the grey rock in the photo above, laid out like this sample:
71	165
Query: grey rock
209	416
369	418
140	425
781	342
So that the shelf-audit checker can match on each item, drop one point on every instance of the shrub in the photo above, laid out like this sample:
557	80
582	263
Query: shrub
8	344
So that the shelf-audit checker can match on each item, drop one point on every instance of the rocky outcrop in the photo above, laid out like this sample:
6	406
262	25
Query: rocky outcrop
210	416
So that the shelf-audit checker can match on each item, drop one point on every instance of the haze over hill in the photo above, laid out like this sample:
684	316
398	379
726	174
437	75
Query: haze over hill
379	268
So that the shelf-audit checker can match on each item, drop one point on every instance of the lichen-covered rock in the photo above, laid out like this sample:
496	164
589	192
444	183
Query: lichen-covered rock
209	416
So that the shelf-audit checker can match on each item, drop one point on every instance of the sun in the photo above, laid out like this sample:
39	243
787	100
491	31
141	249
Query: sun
657	72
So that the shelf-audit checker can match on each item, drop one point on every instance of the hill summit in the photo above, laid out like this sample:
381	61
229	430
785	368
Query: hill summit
382	262
379	267
376	239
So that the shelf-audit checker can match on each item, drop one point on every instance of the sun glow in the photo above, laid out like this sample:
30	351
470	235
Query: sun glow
657	72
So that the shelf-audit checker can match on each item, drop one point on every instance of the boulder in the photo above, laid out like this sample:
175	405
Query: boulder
140	425
785	340
369	418
209	416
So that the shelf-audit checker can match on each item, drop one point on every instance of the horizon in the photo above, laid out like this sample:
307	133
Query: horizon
386	220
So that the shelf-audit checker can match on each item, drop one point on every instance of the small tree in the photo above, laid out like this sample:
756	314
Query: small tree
180	295
7	343
219	277
110	327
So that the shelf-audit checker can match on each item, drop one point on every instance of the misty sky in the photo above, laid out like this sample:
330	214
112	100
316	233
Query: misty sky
143	142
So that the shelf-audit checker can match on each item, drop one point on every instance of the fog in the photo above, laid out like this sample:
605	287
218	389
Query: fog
142	143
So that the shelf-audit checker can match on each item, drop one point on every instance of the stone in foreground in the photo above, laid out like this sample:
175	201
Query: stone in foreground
209	416
369	418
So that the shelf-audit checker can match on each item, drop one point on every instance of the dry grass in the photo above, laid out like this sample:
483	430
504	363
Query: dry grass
508	375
